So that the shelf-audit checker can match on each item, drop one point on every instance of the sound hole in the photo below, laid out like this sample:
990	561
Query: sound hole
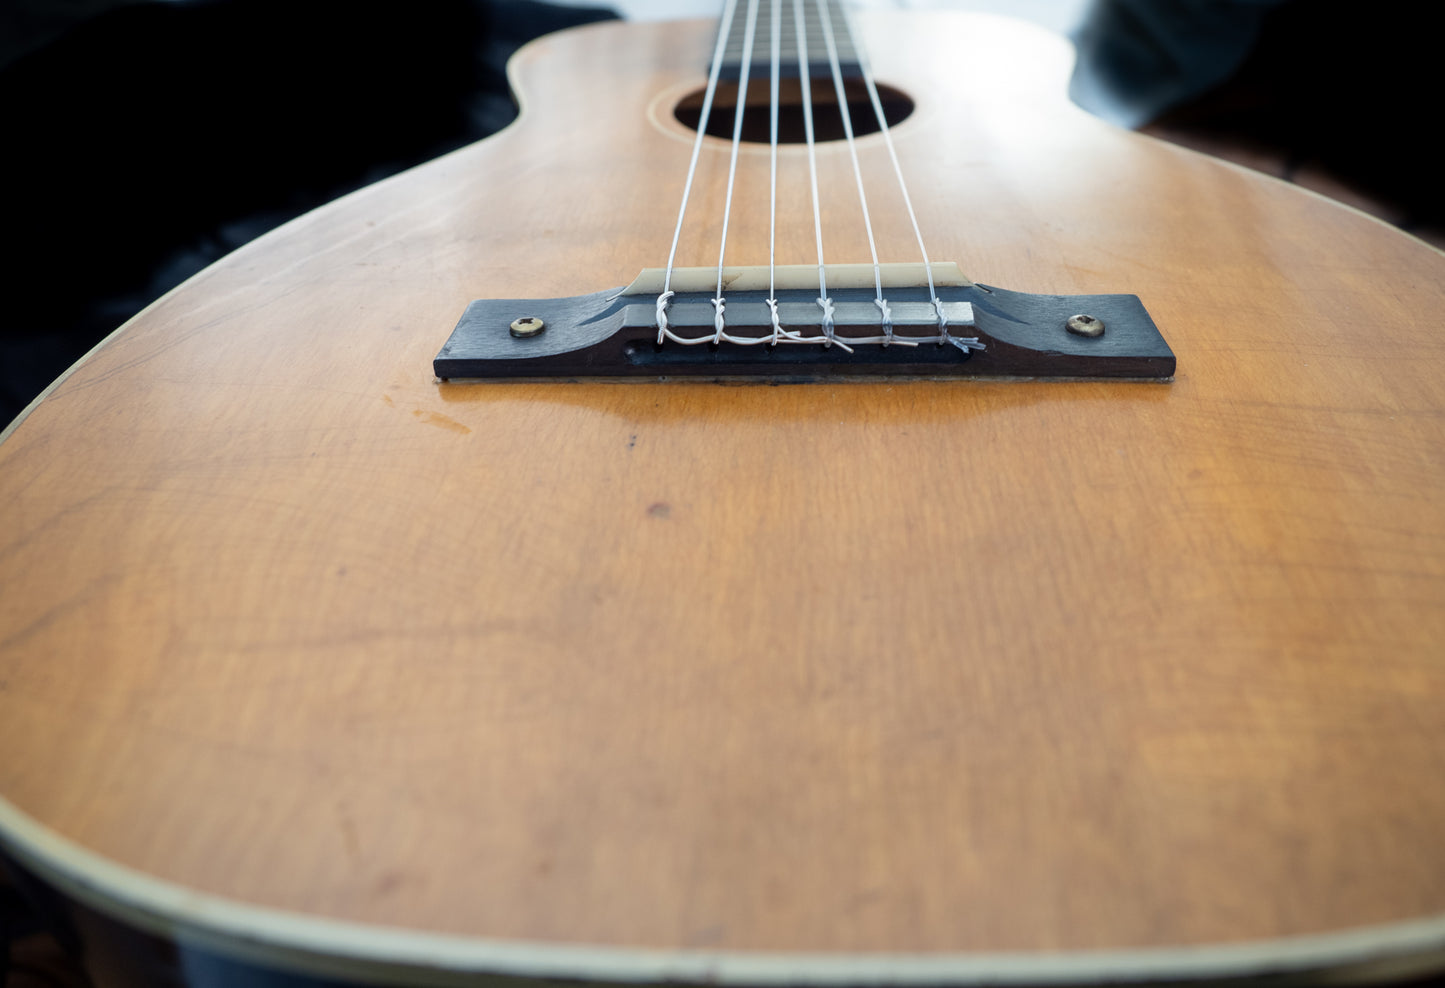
827	121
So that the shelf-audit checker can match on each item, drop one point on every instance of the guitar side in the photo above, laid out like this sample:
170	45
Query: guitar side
1084	678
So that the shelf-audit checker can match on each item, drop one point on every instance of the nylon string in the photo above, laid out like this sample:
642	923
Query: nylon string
805	77
729	12
775	63
884	316
749	37
860	51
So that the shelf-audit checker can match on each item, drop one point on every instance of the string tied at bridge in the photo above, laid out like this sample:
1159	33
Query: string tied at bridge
662	302
826	304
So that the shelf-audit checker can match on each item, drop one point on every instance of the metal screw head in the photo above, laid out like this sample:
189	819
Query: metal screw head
527	326
1085	326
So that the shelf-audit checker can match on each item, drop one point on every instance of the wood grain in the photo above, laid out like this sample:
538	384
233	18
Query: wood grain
936	667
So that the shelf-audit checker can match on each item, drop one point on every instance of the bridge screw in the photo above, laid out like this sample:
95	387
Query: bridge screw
1085	326
527	326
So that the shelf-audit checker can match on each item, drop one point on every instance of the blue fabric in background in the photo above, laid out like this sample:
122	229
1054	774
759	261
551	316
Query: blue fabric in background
1138	58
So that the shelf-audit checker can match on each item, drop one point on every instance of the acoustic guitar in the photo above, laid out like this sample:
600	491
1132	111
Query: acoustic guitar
314	663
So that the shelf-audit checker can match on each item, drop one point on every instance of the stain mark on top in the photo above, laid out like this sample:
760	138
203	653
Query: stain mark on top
660	509
388	882
438	419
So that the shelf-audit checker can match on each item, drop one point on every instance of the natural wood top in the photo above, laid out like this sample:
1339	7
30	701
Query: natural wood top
938	667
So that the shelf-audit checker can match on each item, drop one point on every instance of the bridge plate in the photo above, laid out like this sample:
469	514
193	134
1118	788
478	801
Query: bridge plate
611	335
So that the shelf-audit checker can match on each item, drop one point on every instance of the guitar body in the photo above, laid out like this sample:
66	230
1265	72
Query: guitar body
309	657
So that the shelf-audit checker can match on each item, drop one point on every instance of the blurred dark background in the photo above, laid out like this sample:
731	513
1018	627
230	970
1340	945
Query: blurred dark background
144	139
1339	97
